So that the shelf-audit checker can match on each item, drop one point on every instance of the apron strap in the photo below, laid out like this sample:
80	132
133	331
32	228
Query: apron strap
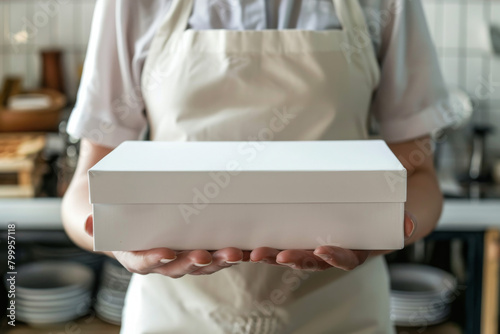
350	14
176	19
353	22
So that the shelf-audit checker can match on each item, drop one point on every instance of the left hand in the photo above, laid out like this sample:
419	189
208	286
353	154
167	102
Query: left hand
323	257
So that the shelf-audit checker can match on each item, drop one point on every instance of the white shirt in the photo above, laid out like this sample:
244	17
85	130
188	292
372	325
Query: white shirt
410	101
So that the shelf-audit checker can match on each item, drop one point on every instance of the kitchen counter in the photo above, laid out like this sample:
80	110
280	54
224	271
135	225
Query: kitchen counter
44	213
33	213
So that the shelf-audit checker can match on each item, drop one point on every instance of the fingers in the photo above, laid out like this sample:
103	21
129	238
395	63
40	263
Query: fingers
186	263
341	258
264	255
143	262
221	259
166	262
301	259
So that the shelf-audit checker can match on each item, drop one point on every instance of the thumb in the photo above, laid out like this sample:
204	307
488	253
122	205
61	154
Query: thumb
89	225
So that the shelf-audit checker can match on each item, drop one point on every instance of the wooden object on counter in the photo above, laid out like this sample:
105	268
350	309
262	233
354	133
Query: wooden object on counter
52	73
489	300
19	170
34	120
11	86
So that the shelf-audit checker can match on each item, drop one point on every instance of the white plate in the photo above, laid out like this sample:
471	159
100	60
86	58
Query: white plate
114	285
55	318
110	319
419	281
54	297
79	309
417	320
50	278
424	313
111	296
117	315
109	306
424	303
83	297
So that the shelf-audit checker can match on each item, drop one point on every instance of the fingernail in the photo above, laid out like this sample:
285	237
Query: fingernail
234	262
413	226
324	257
288	264
285	263
259	261
85	225
203	264
167	260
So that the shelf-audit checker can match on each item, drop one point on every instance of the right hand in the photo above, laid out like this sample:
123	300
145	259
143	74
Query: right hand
174	264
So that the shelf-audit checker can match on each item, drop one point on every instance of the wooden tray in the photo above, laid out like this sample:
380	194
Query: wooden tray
34	120
19	171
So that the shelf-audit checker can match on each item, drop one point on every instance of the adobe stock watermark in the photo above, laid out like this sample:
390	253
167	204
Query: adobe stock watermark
48	9
249	151
486	87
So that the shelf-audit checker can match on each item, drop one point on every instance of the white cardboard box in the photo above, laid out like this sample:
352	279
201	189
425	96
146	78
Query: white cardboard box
211	195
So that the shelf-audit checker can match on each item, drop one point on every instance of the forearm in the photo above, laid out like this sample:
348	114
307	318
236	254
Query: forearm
424	202
75	210
424	199
75	206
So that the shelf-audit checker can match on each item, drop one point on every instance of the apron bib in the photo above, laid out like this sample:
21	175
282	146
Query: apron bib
249	86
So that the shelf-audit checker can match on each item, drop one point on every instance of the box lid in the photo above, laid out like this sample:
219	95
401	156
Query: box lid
248	172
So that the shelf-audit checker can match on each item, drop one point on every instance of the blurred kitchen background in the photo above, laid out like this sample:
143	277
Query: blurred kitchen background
42	50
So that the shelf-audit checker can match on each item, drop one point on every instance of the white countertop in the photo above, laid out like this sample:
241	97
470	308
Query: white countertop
470	214
44	213
32	213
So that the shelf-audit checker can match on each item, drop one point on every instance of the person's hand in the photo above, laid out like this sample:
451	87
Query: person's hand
323	257
174	264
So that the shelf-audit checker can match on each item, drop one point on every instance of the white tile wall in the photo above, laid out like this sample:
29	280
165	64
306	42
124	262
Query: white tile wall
477	27
475	74
27	27
460	29
87	10
65	25
449	67
451	37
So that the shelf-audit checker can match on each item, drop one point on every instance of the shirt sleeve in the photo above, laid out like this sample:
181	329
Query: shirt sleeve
412	99
109	107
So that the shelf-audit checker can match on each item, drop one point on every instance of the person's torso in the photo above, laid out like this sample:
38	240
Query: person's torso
252	86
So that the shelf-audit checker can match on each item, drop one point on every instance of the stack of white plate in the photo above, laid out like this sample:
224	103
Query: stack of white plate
420	295
112	290
52	292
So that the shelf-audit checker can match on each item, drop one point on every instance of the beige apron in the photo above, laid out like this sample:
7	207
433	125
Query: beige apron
251	86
